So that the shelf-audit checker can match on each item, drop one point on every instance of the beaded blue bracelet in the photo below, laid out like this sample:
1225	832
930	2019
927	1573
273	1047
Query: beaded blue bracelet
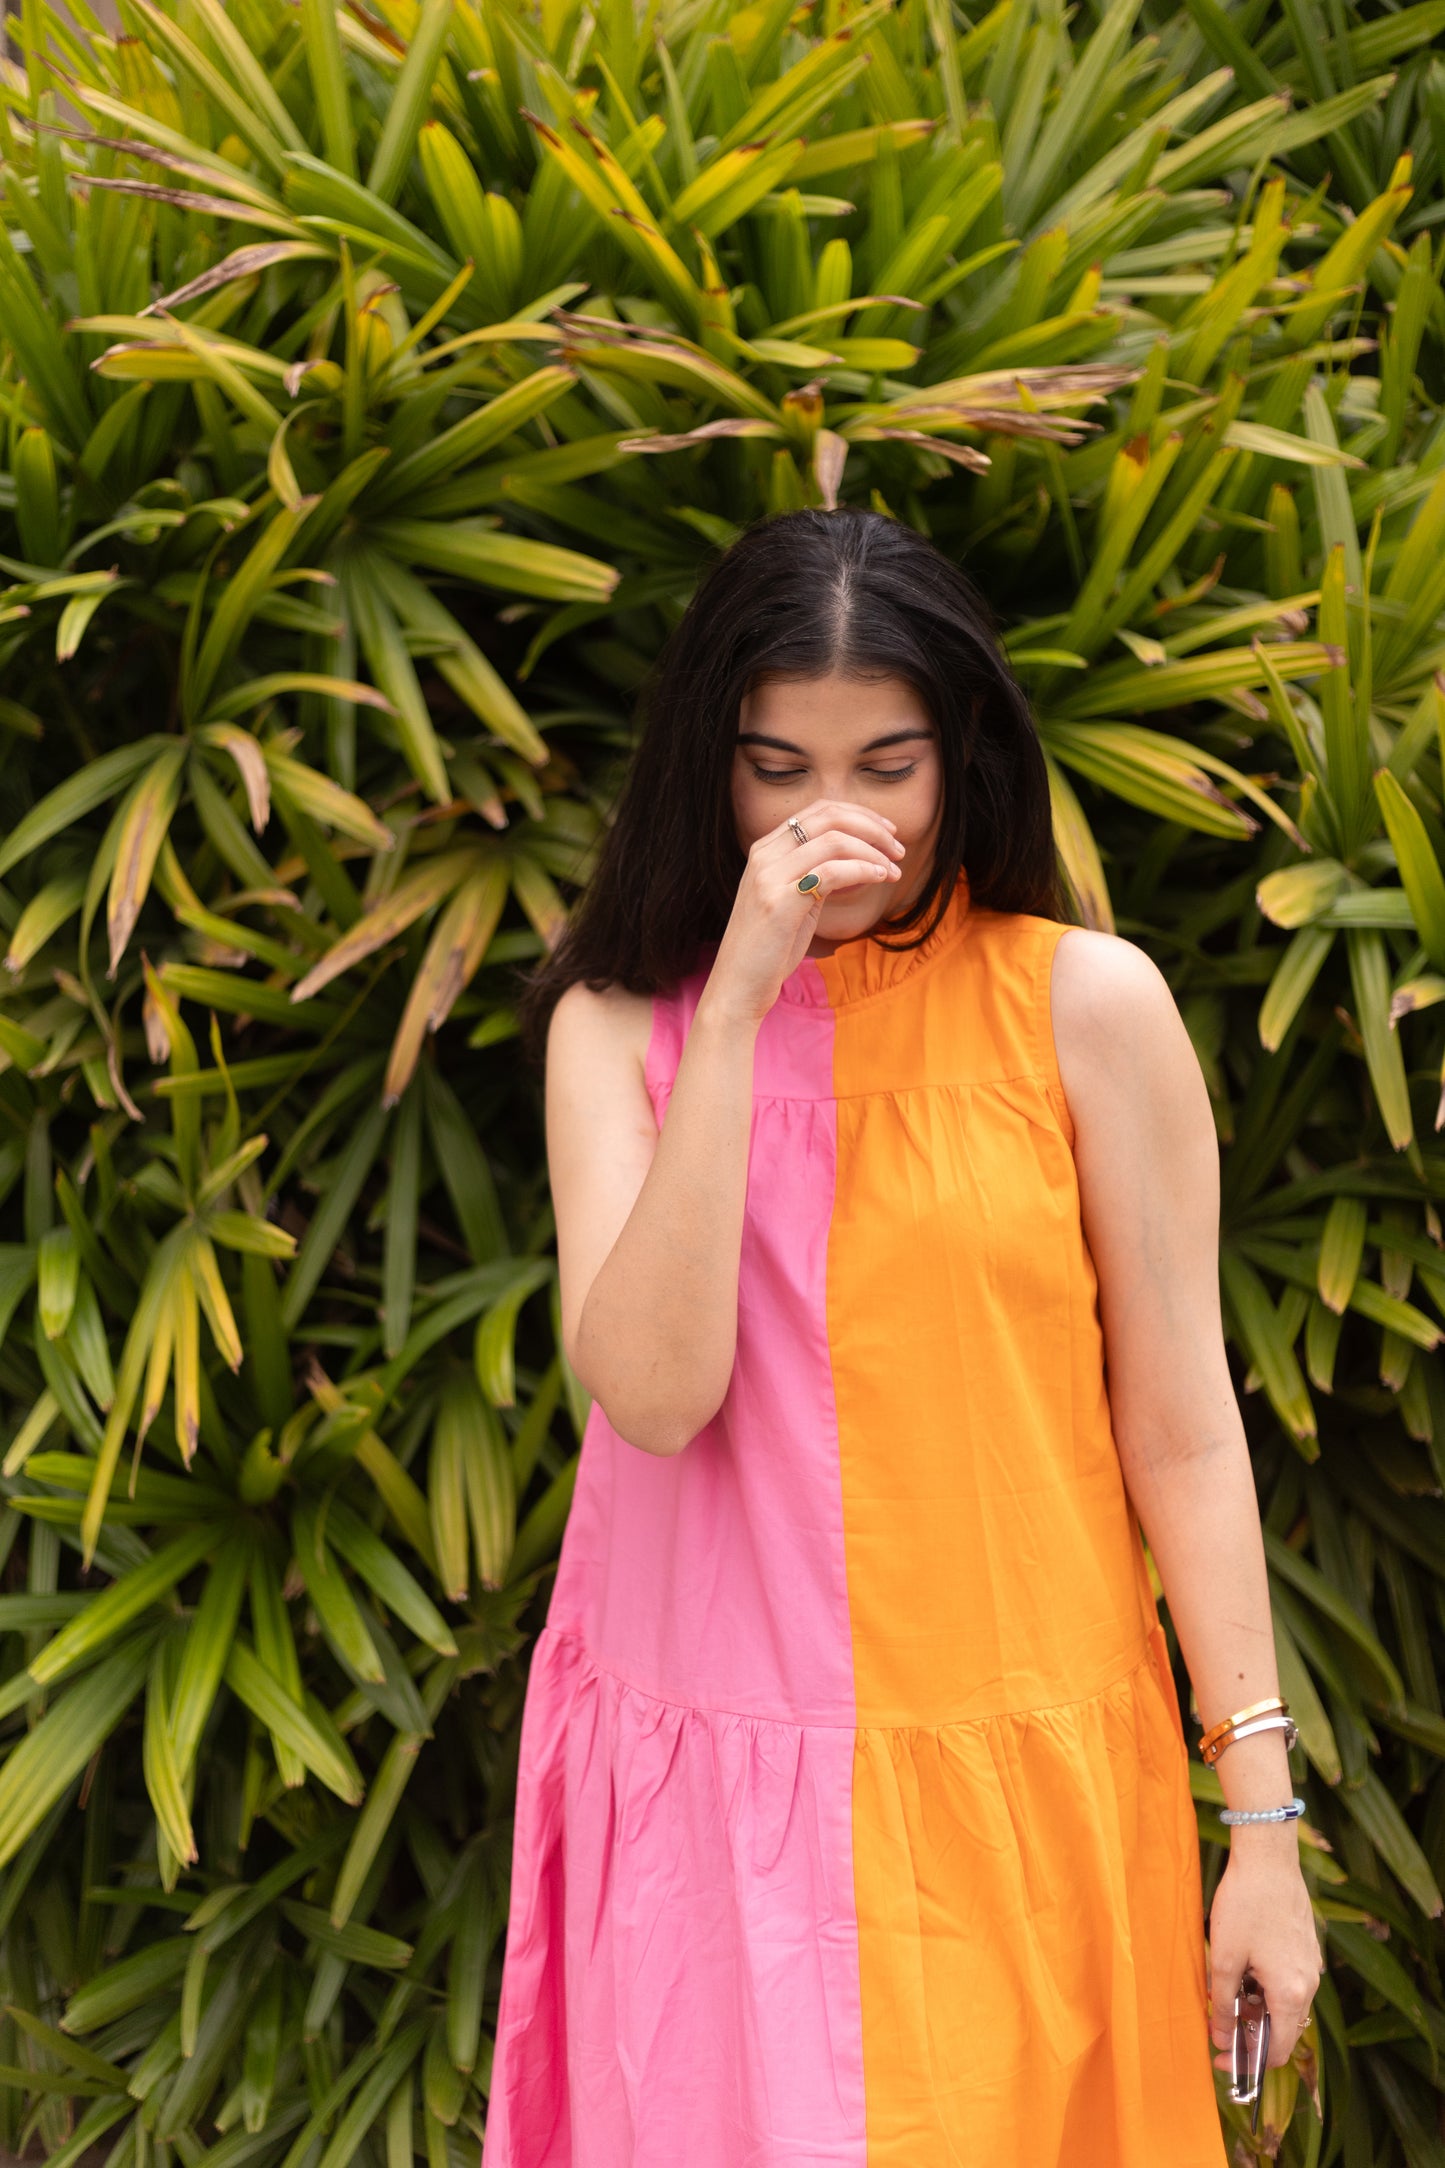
1235	1815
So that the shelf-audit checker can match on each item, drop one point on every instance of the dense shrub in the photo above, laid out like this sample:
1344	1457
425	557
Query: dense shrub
374	385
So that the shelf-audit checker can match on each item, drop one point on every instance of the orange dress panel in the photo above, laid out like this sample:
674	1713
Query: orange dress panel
1021	1814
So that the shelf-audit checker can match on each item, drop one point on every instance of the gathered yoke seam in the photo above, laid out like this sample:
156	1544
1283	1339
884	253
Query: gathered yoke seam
934	1084
923	963
1037	1076
1142	1662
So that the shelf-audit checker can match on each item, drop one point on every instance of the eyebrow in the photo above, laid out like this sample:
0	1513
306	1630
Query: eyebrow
874	745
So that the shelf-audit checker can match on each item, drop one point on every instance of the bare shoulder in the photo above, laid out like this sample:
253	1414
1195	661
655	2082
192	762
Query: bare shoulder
1105	987
589	1026
1121	1042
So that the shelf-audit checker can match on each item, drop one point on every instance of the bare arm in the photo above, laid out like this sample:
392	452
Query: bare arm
1148	1167
649	1224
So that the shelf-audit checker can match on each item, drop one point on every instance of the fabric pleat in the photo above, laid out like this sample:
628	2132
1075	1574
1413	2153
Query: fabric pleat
1029	1906
686	1953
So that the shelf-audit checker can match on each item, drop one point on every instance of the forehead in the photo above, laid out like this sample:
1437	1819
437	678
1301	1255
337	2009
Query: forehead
832	710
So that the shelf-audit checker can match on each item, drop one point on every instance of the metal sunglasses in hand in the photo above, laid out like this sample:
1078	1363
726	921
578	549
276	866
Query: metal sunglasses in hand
1251	2046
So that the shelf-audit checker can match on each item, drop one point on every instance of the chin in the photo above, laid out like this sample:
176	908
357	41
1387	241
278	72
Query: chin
842	915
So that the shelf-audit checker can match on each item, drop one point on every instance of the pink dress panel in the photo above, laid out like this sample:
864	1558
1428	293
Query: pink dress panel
683	1924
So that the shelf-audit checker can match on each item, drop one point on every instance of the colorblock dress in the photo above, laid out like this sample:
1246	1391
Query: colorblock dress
853	1824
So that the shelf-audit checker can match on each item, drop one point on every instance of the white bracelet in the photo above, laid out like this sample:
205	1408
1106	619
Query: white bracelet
1211	1748
1291	1813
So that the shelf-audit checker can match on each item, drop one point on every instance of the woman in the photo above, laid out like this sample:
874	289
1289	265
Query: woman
853	1815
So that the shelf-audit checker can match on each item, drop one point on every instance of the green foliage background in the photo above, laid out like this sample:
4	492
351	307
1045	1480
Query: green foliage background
373	384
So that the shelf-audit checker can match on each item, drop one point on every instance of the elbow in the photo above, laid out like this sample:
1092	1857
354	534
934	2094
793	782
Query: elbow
659	1434
662	1427
655	1412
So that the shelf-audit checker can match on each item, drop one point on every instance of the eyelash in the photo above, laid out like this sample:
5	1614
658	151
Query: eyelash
790	775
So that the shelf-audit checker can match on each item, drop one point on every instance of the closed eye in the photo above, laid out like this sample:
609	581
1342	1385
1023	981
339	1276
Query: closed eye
791	775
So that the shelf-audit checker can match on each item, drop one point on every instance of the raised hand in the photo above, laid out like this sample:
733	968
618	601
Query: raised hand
773	920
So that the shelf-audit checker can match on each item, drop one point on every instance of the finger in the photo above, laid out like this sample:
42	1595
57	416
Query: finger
861	861
827	816
838	843
1289	1988
1287	2020
838	874
830	843
1289	1996
830	812
1226	1969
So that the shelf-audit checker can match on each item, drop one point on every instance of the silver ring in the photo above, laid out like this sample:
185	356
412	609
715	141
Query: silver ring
798	829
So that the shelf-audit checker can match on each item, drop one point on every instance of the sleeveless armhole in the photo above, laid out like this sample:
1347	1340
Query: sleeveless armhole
664	1050
1046	1045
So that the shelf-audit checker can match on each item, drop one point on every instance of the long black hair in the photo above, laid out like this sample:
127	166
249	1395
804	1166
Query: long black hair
800	594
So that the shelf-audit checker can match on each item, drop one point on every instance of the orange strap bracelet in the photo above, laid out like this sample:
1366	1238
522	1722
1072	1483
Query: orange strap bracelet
1277	1722
1271	1715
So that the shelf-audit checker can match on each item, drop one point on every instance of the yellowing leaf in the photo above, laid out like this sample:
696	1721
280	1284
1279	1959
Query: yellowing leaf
146	818
1296	895
415	894
453	957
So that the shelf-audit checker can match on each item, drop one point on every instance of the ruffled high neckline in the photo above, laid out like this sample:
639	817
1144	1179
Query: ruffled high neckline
865	967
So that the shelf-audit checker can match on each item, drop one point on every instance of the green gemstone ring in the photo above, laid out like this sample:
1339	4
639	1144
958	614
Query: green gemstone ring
809	882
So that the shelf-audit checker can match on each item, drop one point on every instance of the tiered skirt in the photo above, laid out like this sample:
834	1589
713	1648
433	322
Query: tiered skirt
740	1943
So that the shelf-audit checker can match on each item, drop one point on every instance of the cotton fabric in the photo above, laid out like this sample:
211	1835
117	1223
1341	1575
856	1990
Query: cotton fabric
853	1823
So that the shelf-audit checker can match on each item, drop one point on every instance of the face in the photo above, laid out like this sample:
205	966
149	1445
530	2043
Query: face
867	742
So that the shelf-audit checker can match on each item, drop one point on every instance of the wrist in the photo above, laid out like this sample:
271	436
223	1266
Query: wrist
1255	1772
724	1016
1264	1837
1263	1841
